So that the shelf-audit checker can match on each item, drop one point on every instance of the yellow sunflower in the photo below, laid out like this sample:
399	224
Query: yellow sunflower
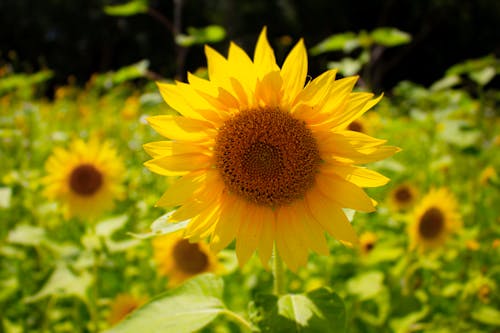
86	178
403	196
122	305
367	241
264	159
435	218
179	259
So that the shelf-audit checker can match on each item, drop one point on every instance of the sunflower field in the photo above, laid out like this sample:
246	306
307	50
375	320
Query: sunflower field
251	197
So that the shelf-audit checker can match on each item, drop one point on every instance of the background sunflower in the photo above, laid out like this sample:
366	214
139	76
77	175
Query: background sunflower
86	178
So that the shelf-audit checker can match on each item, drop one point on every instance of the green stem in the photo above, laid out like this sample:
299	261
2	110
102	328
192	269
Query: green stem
278	273
239	319
94	311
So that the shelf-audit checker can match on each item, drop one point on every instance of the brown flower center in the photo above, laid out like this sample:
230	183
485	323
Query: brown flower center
403	194
431	223
267	157
189	258
85	180
356	126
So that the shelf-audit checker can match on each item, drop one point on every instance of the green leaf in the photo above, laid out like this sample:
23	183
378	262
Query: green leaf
483	76
366	285
403	324
162	226
390	37
19	81
63	282
131	72
205	35
346	66
317	311
127	9
27	235
445	83
5	195
487	315
347	42
184	309
108	227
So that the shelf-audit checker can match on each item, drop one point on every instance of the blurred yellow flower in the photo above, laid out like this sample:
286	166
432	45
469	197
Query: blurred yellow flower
264	159
472	245
487	174
496	243
367	241
403	196
86	178
434	219
131	108
122	305
178	259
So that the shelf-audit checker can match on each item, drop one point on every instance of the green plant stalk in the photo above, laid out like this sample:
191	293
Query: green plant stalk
238	319
278	273
94	311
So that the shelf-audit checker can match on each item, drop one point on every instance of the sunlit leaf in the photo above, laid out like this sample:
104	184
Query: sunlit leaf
127	9
63	283
184	309
205	35
483	76
107	227
162	226
487	315
390	37
28	235
317	311
366	285
5	195
347	42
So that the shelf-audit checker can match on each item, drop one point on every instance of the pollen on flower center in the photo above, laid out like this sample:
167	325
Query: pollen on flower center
189	258
85	180
266	156
431	223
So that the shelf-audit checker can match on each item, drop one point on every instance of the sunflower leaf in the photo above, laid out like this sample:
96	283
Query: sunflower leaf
317	311
184	309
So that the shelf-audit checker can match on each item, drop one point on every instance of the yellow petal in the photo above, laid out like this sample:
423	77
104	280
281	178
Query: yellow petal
294	71
217	66
182	190
181	128
248	235
201	225
312	232
227	226
356	108
264	59
357	175
269	90
170	148
291	246
172	165
331	217
346	194
268	232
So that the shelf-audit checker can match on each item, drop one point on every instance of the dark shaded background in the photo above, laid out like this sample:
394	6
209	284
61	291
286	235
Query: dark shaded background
77	38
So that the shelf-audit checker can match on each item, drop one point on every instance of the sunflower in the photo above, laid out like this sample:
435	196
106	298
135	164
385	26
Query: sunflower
86	178
264	159
179	259
367	241
403	196
435	218
122	305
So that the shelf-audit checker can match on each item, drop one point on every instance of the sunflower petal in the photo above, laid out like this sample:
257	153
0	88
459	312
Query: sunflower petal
331	217
344	193
264	59
359	176
181	128
294	71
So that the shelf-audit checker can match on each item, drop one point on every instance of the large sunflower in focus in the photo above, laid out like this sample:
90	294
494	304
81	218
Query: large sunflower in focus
85	179
264	159
434	219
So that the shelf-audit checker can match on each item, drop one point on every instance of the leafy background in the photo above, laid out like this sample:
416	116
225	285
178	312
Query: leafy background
76	68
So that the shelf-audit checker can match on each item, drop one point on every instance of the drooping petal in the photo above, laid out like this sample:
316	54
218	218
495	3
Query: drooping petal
359	176
331	217
346	194
182	190
248	234
171	148
173	165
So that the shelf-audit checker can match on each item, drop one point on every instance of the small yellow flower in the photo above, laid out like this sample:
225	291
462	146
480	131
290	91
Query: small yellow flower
85	179
367	241
496	243
434	219
265	158
179	259
484	293
123	305
403	196
487	175
131	108
472	245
